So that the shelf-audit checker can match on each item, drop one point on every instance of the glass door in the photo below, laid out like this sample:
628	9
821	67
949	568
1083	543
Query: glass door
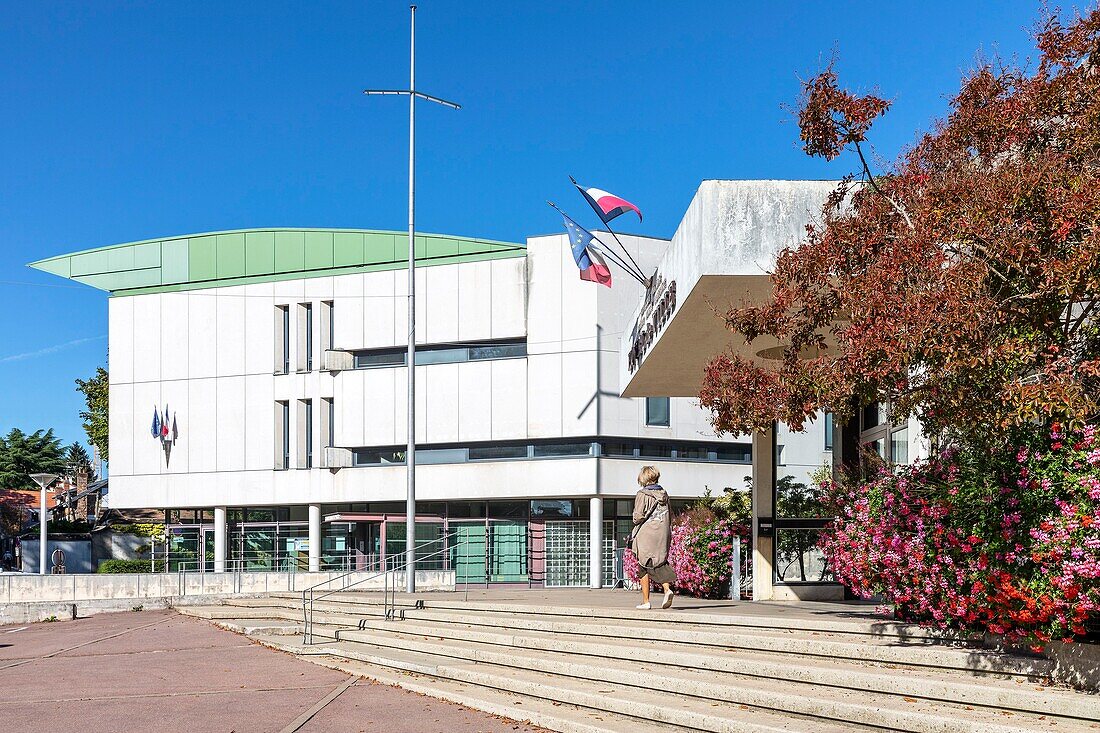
208	550
467	554
508	551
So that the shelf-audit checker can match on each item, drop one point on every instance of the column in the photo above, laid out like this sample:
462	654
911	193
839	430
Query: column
763	487
314	538
595	542
219	539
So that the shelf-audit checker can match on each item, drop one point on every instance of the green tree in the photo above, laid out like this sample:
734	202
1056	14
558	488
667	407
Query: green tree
22	454
95	390
77	460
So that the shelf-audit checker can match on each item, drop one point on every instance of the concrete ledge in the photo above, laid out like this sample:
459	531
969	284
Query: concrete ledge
140	586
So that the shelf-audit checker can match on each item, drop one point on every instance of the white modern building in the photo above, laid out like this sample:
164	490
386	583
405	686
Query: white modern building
722	254
276	357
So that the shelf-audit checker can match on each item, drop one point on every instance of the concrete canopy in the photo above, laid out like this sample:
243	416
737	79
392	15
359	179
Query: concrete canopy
721	255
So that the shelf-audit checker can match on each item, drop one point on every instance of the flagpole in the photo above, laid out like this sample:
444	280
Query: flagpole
410	449
606	250
613	234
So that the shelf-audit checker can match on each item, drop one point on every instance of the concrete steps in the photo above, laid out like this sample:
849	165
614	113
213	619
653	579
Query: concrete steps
674	670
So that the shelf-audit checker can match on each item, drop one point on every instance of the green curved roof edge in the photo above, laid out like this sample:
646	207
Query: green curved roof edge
244	256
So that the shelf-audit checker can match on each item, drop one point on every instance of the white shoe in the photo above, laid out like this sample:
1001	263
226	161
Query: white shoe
643	607
668	600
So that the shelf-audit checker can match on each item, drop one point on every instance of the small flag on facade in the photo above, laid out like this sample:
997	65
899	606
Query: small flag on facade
606	205
155	430
592	266
175	429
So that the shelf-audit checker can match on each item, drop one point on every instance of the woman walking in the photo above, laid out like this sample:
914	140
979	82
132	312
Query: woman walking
651	536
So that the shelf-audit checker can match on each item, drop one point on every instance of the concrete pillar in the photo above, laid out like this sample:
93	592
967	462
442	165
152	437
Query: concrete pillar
595	542
763	487
314	538
219	539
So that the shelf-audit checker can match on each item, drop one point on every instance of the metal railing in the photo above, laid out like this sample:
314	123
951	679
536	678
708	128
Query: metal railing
310	595
266	562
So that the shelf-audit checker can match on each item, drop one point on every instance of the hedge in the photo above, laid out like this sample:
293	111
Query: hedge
125	566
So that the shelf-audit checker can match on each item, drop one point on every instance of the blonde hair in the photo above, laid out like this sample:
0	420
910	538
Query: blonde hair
648	476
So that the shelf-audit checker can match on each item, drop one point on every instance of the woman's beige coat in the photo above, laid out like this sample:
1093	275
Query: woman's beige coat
652	538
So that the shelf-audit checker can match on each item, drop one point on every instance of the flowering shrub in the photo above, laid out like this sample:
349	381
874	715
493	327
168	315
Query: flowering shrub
1008	544
701	553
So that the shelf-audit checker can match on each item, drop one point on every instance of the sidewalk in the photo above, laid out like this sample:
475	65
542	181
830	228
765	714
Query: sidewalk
161	671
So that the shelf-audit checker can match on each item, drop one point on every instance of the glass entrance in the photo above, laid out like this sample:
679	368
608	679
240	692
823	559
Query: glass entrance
467	554
208	550
508	551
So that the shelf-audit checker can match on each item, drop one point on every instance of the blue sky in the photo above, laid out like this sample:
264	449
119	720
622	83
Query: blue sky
130	120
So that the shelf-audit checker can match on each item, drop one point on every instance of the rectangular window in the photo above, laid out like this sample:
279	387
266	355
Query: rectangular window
282	339
388	358
738	452
828	431
617	449
899	446
378	456
441	354
305	433
305	337
563	449
328	421
655	450
873	414
693	453
282	435
441	455
657	412
497	452
328	333
780	460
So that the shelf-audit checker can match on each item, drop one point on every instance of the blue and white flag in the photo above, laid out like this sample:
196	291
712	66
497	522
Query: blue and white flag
156	423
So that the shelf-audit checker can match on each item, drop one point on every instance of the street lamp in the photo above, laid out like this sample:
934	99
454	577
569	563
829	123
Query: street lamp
410	452
43	480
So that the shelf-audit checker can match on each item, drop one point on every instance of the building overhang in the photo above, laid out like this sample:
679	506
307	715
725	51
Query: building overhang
721	256
245	256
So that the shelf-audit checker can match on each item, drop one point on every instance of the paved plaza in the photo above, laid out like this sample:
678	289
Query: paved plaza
133	670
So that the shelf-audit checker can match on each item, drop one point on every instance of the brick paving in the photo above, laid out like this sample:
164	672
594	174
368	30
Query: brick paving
156	670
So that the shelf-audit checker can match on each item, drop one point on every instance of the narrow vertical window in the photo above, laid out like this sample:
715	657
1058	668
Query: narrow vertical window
327	330
305	337
307	432
282	435
328	422
828	431
657	412
282	339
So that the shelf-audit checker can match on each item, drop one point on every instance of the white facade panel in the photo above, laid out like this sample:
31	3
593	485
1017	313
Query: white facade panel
231	332
348	317
202	428
378	308
120	340
202	331
259	329
510	291
173	344
440	388
231	423
475	301
544	403
124	427
508	382
377	413
441	304
476	395
147	348
259	428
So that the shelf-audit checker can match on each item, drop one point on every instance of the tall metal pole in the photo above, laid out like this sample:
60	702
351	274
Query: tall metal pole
410	452
410	449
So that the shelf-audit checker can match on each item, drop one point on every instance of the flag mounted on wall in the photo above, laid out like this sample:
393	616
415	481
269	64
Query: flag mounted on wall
592	265
606	205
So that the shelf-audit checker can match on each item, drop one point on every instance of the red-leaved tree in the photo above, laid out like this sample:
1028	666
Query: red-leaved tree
961	283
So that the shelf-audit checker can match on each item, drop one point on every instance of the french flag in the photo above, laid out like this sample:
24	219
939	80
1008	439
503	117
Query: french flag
592	265
606	205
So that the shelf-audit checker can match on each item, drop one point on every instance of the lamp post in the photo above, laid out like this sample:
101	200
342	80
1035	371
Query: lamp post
410	452
43	480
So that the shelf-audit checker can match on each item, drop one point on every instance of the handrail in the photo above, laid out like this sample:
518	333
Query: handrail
309	596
